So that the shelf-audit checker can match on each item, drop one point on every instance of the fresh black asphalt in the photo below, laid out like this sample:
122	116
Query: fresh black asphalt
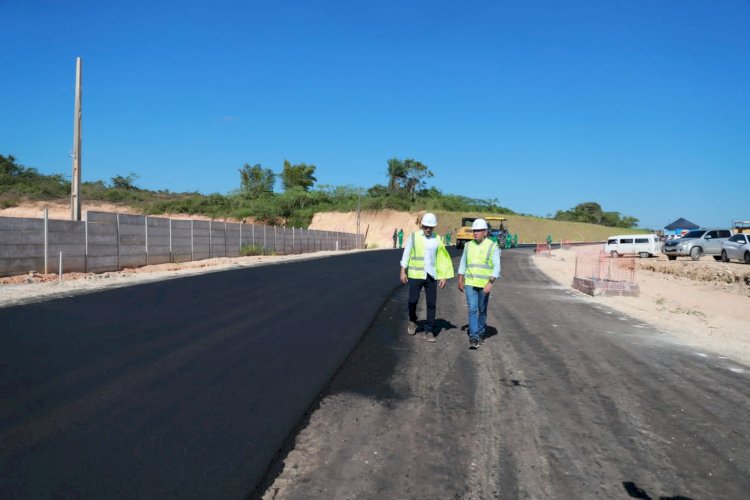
184	388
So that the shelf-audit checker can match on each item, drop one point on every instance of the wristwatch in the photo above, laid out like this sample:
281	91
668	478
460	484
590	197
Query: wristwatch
492	280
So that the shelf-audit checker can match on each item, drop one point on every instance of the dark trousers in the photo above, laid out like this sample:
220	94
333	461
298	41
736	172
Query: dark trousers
430	291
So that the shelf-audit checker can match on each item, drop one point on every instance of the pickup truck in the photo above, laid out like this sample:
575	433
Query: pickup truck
697	243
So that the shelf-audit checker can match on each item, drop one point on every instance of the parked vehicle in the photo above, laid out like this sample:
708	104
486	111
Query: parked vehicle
741	226
697	243
644	245
736	248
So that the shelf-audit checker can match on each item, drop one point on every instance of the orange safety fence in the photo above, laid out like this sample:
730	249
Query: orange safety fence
603	267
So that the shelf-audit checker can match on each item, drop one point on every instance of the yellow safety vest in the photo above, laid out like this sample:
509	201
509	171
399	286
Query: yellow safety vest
443	262
479	262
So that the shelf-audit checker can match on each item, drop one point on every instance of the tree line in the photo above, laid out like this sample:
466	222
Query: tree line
592	213
300	196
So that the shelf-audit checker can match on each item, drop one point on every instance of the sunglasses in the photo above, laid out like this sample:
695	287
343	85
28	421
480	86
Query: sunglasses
477	230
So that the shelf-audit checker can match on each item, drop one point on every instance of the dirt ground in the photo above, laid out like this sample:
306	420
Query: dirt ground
377	226
702	303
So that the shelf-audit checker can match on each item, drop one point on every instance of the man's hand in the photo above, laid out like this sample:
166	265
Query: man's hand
461	283
404	278
441	284
487	288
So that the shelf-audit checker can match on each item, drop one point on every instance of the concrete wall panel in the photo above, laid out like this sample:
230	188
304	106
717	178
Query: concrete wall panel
110	239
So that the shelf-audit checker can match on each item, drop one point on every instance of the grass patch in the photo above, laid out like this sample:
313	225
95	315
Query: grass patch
248	250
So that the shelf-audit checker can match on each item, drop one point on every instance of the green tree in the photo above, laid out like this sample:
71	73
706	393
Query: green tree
415	173
127	183
9	166
396	174
298	176
256	181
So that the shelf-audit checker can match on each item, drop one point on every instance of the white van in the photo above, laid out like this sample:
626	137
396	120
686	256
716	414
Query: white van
645	245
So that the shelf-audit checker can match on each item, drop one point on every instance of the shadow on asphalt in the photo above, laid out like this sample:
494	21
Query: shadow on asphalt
635	492
442	325
489	331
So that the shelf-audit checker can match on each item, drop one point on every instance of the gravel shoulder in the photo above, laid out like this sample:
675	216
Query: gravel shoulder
703	304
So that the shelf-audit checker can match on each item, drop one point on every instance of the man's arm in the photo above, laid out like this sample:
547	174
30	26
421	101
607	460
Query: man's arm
496	262
405	260
462	271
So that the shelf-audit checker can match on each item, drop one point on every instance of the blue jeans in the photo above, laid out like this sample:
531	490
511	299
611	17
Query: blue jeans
477	301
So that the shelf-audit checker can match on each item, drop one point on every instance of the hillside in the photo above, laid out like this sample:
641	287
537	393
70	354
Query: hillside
379	226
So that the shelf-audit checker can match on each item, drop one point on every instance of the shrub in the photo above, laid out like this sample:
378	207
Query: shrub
248	250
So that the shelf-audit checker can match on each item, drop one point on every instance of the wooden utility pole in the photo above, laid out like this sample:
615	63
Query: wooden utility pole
75	185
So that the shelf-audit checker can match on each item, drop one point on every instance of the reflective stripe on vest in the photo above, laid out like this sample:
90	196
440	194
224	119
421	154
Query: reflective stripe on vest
479	263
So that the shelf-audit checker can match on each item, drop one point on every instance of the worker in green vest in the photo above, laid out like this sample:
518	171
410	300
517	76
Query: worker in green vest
508	240
479	268
400	235
426	264
515	240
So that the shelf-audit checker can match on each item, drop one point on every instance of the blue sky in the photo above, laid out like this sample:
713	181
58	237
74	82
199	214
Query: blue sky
540	104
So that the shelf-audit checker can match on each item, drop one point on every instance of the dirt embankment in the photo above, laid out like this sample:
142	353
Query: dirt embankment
377	226
60	210
730	275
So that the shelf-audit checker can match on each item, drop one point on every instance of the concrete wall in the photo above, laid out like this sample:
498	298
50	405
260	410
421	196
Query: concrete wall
110	242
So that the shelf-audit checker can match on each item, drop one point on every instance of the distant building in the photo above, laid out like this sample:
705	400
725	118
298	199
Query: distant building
680	227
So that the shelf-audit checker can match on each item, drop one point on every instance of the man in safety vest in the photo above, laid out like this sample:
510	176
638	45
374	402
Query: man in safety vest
479	268
426	264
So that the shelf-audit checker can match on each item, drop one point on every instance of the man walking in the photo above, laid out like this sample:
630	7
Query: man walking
400	235
395	237
426	264
479	268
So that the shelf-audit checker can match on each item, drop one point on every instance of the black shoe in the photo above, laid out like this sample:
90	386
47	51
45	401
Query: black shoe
473	344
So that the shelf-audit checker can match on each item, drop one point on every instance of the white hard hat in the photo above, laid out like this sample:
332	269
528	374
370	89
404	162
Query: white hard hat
429	220
479	224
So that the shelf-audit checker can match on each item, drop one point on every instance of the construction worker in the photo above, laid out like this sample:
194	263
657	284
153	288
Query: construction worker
426	264
549	242
448	239
395	237
508	240
400	238
515	240
479	268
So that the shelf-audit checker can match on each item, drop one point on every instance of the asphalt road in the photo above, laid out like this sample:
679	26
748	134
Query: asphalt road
567	399
185	388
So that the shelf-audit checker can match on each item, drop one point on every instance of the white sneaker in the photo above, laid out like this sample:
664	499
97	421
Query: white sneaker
412	328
